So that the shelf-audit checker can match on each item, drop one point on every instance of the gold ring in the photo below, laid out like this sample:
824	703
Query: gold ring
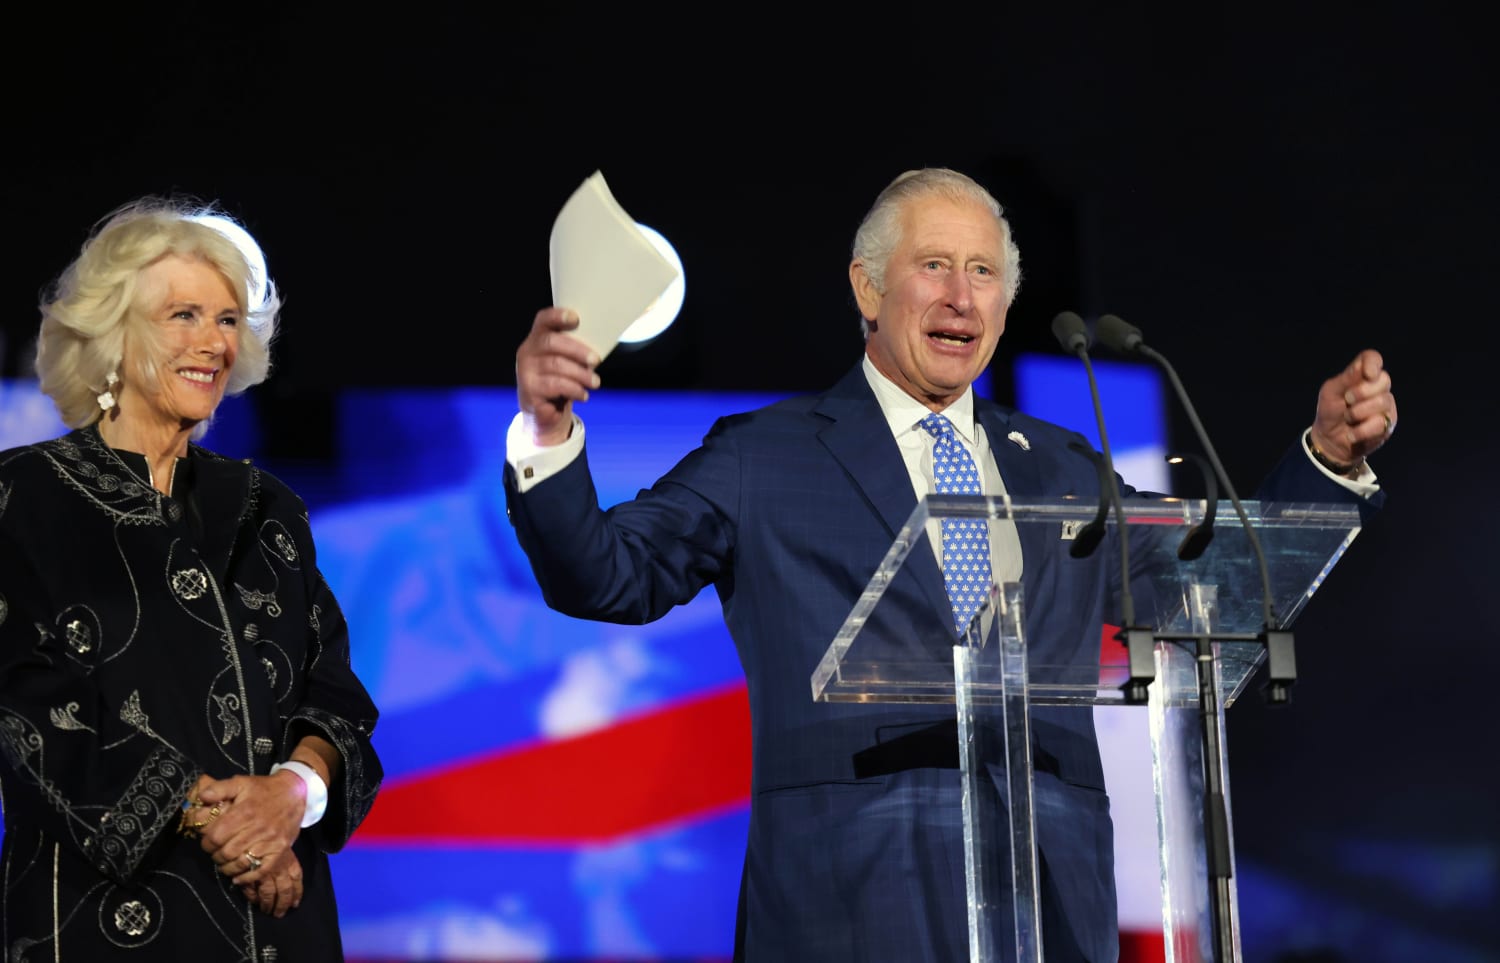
253	860
1390	425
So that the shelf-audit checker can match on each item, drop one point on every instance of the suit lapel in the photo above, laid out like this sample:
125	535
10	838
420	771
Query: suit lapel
1011	450
859	439
1020	467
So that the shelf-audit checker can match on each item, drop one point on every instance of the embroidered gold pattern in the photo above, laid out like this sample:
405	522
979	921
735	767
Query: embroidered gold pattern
254	599
66	718
79	636
132	714
228	706
190	583
132	918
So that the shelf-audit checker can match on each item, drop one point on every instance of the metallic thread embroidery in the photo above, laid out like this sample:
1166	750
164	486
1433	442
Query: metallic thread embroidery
132	714
18	742
132	918
284	544
79	636
254	599
228	706
115	491
65	717
190	583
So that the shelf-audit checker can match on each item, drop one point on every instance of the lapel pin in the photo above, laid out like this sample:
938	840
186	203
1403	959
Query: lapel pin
1020	439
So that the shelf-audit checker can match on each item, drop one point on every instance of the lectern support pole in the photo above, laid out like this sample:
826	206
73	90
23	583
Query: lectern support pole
1215	815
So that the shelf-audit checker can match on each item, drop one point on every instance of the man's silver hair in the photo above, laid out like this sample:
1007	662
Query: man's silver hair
879	234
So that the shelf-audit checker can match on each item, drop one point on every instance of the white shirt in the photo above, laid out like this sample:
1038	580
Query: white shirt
904	415
533	463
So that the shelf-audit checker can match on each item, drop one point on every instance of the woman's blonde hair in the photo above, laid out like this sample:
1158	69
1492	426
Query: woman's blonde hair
95	304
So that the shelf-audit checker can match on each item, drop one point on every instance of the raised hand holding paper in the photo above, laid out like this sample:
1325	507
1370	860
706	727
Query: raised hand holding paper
603	266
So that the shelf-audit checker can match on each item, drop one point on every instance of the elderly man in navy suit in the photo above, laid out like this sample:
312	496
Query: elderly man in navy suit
855	853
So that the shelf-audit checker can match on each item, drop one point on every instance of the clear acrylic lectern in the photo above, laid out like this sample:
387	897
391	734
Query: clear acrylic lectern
898	644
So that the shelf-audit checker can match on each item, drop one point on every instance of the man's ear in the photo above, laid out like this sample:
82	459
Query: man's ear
865	293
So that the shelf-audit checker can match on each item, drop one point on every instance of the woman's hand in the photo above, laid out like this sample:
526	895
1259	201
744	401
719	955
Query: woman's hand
259	819
279	888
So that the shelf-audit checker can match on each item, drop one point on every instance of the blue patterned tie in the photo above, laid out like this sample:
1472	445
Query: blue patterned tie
966	541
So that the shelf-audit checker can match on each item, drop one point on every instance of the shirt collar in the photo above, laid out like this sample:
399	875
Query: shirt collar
903	412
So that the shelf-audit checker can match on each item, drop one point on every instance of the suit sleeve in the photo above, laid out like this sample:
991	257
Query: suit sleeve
1295	479
634	562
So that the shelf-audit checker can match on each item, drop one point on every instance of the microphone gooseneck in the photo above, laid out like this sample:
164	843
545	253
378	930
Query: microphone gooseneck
1198	536
1072	335
1126	339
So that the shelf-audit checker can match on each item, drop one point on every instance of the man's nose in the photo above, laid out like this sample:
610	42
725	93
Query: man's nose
960	291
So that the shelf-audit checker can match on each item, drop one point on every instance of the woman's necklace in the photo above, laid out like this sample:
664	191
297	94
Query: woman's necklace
171	475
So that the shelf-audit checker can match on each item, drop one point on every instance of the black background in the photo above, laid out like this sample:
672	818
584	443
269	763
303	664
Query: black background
1264	192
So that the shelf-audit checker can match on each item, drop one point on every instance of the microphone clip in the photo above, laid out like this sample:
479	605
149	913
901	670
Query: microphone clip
1140	652
1281	665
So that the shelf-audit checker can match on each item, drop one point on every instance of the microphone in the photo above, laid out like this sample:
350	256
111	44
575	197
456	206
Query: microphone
1069	330
1127	339
1072	335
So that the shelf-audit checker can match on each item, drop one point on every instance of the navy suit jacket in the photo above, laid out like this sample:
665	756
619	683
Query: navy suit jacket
787	511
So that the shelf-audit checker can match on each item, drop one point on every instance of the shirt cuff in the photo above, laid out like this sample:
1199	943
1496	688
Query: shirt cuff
534	464
317	790
1364	486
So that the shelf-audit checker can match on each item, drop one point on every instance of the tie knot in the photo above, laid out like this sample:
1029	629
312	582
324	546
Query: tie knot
938	426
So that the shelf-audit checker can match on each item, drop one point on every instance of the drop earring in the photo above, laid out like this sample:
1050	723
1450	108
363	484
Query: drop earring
106	398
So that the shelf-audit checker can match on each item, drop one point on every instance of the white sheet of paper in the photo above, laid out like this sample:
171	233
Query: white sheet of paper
602	266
